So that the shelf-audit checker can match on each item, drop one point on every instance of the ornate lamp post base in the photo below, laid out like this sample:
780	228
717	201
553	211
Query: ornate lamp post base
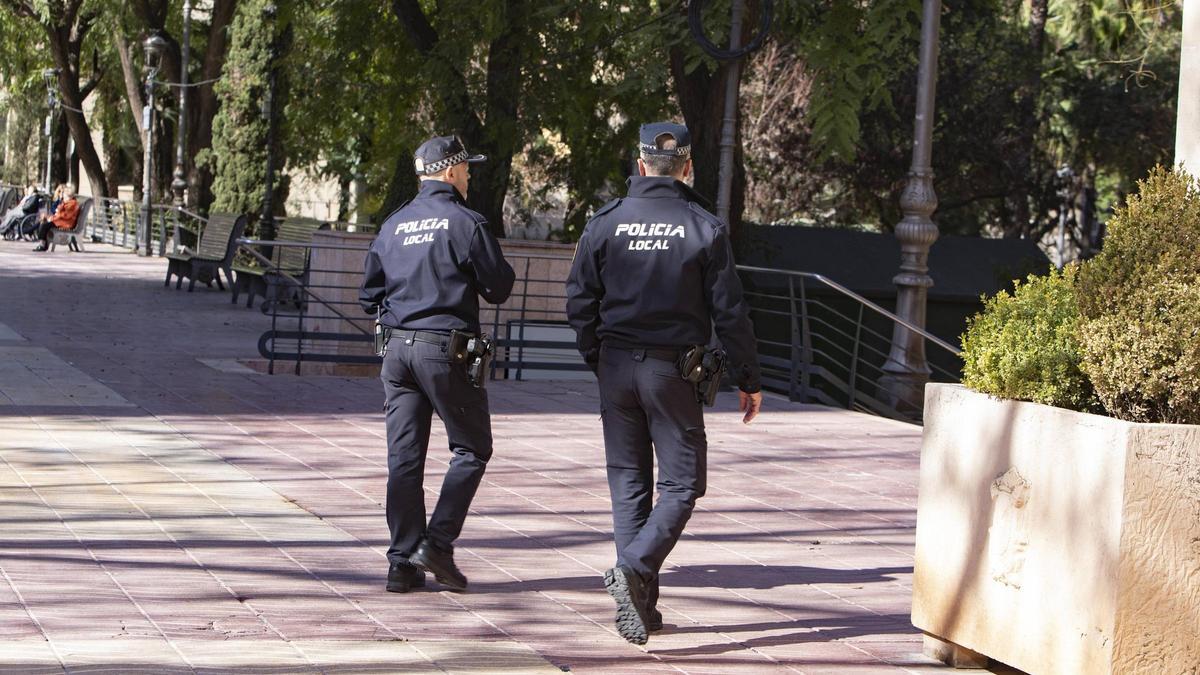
907	371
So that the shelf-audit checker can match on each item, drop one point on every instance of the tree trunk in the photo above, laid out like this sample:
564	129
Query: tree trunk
65	41
500	139
203	104
701	95
59	161
133	88
1029	119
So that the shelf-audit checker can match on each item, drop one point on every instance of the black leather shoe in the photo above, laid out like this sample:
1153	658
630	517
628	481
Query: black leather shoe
629	592
403	577
40	247
441	564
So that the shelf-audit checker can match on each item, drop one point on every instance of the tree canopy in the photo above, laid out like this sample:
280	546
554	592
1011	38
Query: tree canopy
1046	109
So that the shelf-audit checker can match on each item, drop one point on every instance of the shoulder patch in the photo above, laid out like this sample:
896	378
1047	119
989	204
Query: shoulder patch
707	217
475	216
393	213
606	208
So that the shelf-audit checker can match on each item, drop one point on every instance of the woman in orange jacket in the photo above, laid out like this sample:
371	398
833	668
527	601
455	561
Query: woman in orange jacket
64	217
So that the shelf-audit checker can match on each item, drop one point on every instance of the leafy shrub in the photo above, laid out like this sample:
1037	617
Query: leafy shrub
1139	303
1024	345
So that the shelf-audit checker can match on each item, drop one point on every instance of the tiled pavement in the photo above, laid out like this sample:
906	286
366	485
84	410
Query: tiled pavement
159	514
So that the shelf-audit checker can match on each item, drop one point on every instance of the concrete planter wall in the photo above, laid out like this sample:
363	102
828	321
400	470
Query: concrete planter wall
1056	541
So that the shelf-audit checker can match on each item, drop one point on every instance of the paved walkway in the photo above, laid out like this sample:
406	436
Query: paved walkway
161	514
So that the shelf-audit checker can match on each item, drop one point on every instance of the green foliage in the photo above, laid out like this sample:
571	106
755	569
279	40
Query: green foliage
1140	305
239	149
856	50
1024	345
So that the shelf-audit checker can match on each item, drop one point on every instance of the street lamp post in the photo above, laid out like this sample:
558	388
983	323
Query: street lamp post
906	370
179	184
154	46
729	120
50	77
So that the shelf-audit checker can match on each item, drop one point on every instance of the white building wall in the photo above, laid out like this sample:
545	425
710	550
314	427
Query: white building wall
1187	129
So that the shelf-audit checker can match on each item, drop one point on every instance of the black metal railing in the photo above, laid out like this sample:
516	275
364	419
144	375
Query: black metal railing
821	342
818	341
119	223
316	317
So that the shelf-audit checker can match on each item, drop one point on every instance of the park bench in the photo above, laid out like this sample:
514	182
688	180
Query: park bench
213	255
73	237
254	279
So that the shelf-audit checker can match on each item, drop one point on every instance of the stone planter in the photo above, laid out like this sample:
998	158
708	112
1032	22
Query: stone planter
1056	541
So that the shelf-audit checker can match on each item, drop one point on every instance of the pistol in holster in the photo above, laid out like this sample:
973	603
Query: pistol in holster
704	368
475	351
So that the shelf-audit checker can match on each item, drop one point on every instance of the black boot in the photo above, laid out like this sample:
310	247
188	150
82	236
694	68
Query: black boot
403	577
654	620
441	563
629	592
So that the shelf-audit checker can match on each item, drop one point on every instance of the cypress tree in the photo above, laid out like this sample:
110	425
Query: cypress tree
239	147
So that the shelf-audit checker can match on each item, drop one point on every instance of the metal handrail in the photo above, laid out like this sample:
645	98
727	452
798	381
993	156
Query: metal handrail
299	244
860	299
832	353
306	288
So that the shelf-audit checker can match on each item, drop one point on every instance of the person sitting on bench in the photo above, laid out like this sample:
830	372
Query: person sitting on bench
29	205
63	218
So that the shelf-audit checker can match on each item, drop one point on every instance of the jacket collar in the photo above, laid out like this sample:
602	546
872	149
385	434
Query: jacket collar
440	189
664	187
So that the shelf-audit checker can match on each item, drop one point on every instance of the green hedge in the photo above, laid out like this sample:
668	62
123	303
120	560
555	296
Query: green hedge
1140	305
1118	334
1024	345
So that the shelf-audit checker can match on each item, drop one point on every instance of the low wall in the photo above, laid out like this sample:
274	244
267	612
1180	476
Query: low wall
1056	541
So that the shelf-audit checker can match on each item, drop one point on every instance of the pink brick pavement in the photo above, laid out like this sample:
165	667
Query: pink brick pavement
232	506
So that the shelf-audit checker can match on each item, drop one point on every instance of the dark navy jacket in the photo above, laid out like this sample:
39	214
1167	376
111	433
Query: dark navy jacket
655	269
432	260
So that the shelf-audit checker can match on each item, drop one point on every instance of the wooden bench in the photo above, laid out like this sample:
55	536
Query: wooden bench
73	237
213	255
253	279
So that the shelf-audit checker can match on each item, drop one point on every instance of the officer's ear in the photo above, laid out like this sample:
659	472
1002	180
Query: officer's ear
687	169
641	167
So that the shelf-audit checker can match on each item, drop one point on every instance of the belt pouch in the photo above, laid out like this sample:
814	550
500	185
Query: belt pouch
456	348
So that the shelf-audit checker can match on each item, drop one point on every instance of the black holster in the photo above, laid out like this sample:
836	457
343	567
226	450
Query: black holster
479	357
704	369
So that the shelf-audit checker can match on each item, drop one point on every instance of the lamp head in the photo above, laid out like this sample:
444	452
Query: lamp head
154	45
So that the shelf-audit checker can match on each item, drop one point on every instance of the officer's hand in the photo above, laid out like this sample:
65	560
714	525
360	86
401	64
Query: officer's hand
749	404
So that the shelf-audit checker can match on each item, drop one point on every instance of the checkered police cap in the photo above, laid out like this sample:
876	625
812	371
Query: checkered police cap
648	139
440	153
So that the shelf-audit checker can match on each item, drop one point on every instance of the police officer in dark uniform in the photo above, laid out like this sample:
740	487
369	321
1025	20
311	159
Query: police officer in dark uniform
425	271
652	274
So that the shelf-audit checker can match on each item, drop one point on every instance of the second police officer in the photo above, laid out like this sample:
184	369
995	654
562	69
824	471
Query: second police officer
424	274
653	273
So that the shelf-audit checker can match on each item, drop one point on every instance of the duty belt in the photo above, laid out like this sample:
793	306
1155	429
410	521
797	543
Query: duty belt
642	353
411	336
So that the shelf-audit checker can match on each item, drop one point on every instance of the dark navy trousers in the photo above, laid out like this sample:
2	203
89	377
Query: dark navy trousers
650	411
419	380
